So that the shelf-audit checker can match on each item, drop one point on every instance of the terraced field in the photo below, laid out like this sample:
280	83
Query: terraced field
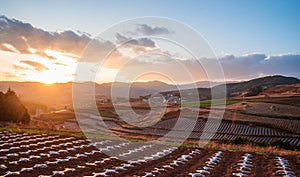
24	154
226	130
264	127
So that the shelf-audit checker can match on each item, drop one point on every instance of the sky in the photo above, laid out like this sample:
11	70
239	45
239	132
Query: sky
248	33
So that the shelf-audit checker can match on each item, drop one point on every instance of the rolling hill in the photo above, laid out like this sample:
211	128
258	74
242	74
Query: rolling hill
265	82
238	88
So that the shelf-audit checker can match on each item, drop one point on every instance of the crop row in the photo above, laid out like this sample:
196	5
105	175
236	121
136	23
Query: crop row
52	155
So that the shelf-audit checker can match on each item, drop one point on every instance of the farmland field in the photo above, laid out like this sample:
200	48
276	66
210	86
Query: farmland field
25	154
226	130
256	123
65	151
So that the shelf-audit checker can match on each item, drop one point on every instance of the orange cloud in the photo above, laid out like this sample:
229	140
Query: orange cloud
37	66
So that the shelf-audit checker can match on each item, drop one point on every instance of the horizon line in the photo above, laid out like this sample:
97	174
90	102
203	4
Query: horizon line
230	81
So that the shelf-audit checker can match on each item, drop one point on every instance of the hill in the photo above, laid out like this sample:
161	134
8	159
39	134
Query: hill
265	82
286	90
234	89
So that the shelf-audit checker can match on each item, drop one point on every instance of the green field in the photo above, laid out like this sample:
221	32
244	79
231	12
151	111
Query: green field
41	131
210	103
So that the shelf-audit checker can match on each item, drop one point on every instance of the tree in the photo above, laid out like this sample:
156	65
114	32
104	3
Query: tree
12	109
255	91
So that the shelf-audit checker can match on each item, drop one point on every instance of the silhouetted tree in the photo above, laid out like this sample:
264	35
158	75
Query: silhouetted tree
12	109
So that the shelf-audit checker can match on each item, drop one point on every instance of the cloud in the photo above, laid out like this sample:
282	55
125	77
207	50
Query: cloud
22	38
99	52
235	67
141	42
135	47
115	60
37	66
18	67
147	30
60	64
255	65
26	39
9	75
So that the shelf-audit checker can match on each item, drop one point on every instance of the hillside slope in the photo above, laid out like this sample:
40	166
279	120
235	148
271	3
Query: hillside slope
240	87
265	82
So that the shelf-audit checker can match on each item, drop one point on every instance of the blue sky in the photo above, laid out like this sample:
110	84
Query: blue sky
235	26
252	38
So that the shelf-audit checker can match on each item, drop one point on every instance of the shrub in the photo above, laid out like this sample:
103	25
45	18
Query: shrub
223	141
282	144
240	140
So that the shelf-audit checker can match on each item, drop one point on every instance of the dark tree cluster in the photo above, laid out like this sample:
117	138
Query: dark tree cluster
255	91
12	109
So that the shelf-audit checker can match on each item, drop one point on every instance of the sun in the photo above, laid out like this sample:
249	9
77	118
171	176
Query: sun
48	82
50	77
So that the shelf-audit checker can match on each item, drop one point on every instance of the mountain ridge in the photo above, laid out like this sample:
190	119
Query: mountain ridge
60	94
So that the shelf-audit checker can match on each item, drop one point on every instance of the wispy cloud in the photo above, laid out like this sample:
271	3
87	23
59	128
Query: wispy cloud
147	30
37	66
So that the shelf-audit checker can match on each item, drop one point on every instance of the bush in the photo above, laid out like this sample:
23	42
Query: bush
223	141
240	140
283	145
11	108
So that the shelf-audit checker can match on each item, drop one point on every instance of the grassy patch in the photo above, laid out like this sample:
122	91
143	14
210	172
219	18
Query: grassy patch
110	114
210	103
251	148
38	131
